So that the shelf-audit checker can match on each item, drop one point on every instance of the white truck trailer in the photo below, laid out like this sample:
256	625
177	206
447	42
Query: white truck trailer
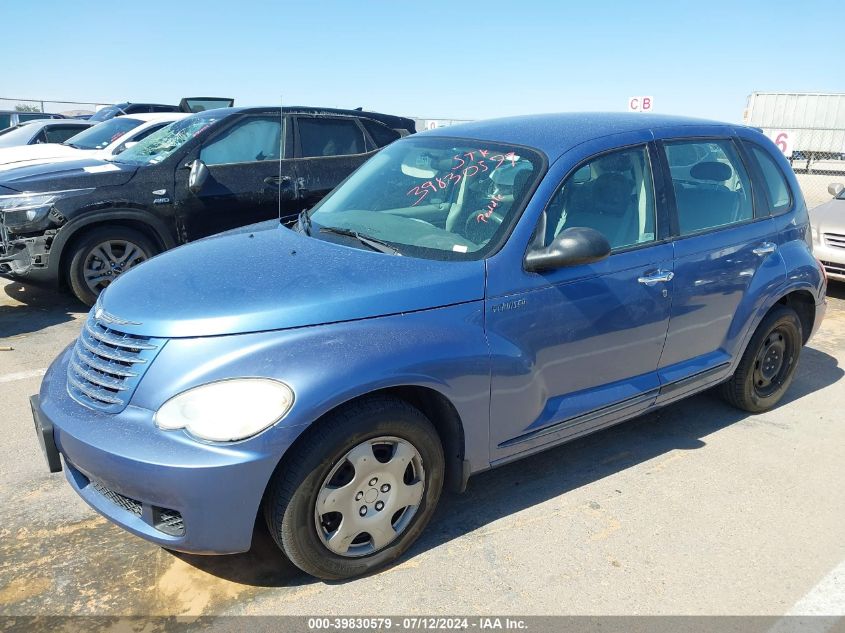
808	127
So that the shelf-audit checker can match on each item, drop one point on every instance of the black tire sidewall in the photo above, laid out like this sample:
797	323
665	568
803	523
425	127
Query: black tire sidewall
298	536
781	318
82	247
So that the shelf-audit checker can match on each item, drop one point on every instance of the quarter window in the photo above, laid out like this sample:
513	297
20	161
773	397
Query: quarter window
774	179
252	139
712	188
330	137
381	134
613	194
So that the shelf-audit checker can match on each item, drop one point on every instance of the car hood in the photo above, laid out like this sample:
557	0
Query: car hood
74	174
28	154
267	277
829	217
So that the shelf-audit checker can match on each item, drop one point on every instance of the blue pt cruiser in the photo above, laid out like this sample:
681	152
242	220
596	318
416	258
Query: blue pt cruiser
468	297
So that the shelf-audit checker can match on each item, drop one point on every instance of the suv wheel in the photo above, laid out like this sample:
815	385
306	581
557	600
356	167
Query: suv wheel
358	490
768	365
102	255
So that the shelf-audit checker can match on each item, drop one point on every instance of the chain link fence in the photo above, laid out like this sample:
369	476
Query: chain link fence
68	108
817	157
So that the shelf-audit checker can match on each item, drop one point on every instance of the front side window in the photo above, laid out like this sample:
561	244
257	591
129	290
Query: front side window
330	137
250	140
5	121
159	146
774	180
103	134
711	186
436	198
613	194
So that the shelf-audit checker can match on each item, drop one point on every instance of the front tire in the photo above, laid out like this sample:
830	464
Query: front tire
768	365
103	254
358	490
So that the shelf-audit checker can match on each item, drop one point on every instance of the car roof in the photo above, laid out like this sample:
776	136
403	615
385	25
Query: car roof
555	134
38	123
388	119
154	116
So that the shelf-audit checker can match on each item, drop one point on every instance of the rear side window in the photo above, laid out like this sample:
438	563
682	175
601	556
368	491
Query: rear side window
330	137
61	133
381	134
712	187
774	180
5	121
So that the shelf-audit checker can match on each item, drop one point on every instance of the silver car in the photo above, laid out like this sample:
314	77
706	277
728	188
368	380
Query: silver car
828	222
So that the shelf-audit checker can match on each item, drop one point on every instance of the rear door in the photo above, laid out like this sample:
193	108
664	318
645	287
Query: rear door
243	183
328	149
725	248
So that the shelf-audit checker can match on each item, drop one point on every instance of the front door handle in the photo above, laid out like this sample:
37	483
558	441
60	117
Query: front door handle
766	248
658	276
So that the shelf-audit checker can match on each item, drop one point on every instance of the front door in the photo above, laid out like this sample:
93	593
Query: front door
581	349
243	184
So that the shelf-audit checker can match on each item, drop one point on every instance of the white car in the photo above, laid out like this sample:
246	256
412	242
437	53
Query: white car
103	140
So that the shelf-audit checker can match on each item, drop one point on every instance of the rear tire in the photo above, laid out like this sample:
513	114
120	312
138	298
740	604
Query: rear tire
768	365
103	254
341	481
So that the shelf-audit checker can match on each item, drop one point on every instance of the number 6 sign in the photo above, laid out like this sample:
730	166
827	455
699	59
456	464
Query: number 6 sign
783	140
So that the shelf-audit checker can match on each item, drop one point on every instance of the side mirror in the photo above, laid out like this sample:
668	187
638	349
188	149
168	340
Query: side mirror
835	189
577	245
197	177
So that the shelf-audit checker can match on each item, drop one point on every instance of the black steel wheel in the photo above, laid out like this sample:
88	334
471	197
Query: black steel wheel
768	365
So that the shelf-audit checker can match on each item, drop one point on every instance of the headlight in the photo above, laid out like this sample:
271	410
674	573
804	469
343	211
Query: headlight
227	410
28	210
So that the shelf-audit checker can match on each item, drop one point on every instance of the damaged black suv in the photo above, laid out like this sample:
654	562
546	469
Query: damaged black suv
80	224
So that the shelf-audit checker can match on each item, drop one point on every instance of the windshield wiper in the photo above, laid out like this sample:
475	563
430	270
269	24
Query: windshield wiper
304	221
372	242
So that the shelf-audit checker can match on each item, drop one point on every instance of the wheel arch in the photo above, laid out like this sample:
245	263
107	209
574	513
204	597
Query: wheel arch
434	405
804	304
151	227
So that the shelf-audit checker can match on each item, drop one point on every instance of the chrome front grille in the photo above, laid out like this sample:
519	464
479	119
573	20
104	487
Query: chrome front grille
835	240
107	365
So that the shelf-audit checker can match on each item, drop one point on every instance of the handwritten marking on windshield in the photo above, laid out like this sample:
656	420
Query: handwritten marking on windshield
482	217
475	163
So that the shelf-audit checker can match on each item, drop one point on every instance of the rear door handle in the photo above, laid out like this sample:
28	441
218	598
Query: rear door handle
658	276
766	248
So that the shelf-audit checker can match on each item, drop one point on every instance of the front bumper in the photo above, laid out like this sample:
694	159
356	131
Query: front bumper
160	485
25	257
832	258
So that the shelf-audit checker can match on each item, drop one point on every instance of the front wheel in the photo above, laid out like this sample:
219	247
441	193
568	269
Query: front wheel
358	490
102	255
768	365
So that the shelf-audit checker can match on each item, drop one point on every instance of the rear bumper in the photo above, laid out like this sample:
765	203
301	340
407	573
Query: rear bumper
160	485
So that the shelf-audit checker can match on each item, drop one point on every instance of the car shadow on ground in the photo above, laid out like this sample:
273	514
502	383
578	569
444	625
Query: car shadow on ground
507	490
836	289
34	308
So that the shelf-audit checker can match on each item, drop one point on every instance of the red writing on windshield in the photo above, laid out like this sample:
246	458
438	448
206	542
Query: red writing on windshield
469	164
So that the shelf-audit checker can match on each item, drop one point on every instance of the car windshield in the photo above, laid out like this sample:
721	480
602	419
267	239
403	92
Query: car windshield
161	144
103	134
104	114
438	198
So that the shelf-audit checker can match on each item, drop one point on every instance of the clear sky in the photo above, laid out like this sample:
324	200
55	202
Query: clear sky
453	59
